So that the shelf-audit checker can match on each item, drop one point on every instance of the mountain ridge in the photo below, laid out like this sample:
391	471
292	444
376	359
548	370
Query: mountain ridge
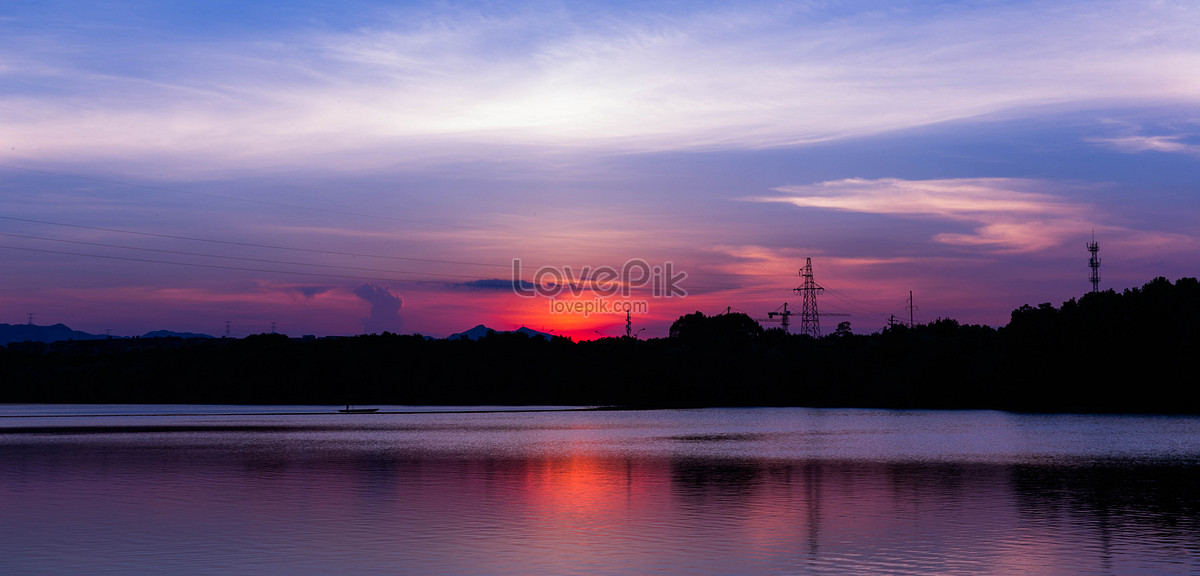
480	330
60	332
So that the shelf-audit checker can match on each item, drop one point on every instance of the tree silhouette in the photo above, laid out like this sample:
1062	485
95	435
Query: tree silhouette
1105	351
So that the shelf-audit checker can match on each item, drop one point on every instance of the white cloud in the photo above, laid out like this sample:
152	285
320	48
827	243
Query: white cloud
722	79
1005	215
1135	144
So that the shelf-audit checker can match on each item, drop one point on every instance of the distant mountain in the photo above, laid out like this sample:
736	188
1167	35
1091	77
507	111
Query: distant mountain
473	334
34	333
532	333
170	334
480	331
61	332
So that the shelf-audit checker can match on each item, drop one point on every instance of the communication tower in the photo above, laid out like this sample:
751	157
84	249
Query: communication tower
1094	263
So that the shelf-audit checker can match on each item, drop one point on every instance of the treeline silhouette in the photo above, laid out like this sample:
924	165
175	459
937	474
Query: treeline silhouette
1105	352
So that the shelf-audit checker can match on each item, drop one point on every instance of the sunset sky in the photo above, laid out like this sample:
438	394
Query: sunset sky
361	166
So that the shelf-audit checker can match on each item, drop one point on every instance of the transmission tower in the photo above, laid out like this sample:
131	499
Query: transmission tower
1094	263
810	319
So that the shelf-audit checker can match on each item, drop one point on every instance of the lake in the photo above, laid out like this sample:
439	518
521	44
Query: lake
291	490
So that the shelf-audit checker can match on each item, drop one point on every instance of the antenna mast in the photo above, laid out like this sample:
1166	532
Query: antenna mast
810	319
1094	262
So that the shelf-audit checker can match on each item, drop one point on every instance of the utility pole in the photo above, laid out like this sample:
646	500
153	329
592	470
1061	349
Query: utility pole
1094	262
810	319
628	325
910	307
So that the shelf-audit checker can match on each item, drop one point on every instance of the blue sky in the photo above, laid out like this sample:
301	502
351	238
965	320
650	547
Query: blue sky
179	165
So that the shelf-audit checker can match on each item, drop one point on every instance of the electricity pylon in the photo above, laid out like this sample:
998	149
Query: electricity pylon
810	319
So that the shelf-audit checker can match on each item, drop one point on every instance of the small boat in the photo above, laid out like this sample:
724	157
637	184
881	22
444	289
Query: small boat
349	410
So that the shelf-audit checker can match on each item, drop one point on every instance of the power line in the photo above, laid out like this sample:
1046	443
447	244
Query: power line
238	199
312	208
692	289
331	252
242	258
253	245
221	267
698	290
854	302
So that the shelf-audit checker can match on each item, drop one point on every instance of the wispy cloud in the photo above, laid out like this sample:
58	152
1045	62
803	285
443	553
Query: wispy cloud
494	284
1005	214
309	292
453	80
1134	144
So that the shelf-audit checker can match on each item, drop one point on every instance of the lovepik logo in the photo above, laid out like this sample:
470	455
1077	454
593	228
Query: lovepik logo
552	282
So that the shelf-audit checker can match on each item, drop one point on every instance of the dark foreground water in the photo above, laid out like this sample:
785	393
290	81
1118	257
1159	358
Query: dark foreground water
220	490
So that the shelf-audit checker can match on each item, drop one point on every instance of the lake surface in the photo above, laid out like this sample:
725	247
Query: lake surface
300	490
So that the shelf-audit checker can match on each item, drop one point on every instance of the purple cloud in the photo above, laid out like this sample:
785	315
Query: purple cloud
385	308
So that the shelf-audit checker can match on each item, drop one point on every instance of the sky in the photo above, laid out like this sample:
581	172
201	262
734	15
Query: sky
358	167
